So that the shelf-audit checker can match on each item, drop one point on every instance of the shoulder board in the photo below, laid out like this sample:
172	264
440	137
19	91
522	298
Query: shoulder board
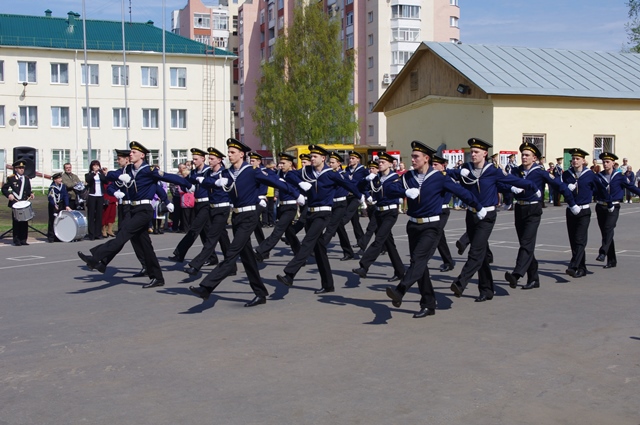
11	176
264	172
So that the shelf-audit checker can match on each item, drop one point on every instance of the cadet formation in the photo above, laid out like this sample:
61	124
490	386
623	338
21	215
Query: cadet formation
323	197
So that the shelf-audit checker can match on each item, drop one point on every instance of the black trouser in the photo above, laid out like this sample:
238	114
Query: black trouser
286	215
336	224
268	215
423	240
371	228
95	205
353	204
258	232
216	232
578	230
443	246
51	231
384	239
464	241
135	228
302	218
125	210
199	226
479	232
607	222
527	220
243	225
315	224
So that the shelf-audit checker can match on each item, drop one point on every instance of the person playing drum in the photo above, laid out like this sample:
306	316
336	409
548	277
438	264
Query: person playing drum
58	201
18	188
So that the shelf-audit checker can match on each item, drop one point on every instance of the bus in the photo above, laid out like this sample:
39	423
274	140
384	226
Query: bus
367	151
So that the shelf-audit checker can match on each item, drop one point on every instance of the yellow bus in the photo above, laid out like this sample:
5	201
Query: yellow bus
367	151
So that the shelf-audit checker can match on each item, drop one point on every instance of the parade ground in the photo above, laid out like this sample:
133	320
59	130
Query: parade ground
80	347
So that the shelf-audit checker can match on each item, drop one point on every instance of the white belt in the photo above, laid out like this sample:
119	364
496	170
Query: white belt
606	203
342	198
125	202
487	209
144	201
388	207
262	197
318	209
583	207
288	202
244	209
445	206
202	199
222	204
425	219
526	202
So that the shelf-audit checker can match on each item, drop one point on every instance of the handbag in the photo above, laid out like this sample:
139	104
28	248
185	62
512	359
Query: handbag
105	202
162	208
187	200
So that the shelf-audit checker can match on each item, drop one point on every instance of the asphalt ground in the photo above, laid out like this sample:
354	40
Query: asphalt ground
79	347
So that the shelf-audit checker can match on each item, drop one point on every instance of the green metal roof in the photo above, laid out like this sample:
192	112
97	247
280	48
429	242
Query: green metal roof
66	33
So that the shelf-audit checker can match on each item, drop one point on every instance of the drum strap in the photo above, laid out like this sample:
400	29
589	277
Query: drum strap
22	184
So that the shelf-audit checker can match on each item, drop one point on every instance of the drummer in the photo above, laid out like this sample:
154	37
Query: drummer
18	188
58	200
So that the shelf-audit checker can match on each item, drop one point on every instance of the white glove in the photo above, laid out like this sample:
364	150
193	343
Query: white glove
464	172
482	213
170	207
222	181
516	190
363	200
301	201
200	179
412	193
304	186
370	177
611	209
538	194
263	203
571	187
575	210
192	188
370	200
124	178
118	194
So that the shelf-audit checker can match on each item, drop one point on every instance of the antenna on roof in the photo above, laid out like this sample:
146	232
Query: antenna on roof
130	20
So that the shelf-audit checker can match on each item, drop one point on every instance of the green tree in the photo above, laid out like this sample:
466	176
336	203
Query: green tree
633	26
303	95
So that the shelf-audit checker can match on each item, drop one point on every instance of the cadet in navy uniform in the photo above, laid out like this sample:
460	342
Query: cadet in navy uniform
338	212
141	181
371	210
443	247
355	172
424	188
305	159
319	182
218	212
18	188
608	206
287	210
385	216
255	159
583	183
243	183
528	211
58	201
480	177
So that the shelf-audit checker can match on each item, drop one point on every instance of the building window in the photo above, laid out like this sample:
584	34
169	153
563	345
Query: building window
370	17
280	4
405	11
349	41
538	140
178	156
453	2
93	75
60	116
204	39
400	58
220	42
119	75
453	21
454	40
179	118
603	144
370	39
59	73
95	154
2	71
371	131
95	117
149	118
59	157
370	106
178	77
405	34
200	20
234	22
1	115
349	18
348	2
120	117
220	22
370	85
28	116
26	72
262	17
154	156
149	76
370	62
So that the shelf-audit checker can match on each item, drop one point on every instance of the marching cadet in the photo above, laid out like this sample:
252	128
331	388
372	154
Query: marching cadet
481	177
141	181
255	159
18	188
528	211
218	212
443	247
608	206
355	172
58	200
385	216
319	182
305	159
424	188
371	209
583	183
243	183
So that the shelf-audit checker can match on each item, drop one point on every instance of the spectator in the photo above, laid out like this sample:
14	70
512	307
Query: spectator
109	210
596	167
624	166
95	180
177	225
187	203
631	177
70	181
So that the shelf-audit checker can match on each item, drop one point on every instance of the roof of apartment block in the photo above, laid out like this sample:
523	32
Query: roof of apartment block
66	33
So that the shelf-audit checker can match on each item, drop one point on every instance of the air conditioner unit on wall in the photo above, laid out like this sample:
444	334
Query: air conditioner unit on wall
386	79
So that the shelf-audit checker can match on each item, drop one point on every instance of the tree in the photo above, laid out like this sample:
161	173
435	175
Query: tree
303	95
633	27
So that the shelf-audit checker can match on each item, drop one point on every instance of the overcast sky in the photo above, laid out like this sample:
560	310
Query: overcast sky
565	24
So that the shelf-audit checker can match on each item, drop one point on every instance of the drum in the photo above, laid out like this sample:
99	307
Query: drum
23	211
70	226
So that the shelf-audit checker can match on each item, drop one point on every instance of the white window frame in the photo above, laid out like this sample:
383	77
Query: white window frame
154	157
61	156
400	57
121	118
2	122
59	73
118	74
537	139
176	79
453	21
149	76
453	2
220	22
95	115
92	75
95	154
1	71
349	19
405	34
348	40
27	72
178	117
178	156
201	20
60	117
603	143
150	118
405	11
30	115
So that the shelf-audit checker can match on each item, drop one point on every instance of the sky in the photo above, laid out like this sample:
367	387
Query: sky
562	24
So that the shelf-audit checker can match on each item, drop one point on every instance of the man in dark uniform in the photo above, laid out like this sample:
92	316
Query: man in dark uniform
18	188
363	242
355	172
557	173
255	159
443	247
305	159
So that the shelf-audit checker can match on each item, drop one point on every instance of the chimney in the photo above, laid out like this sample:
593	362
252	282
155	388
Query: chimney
71	19
47	13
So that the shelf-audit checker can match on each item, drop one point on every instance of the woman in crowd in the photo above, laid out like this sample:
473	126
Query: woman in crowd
95	180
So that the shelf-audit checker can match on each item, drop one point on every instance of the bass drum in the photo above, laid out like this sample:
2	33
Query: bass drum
70	226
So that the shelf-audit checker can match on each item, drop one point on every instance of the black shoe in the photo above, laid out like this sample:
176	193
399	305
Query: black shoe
460	247
446	267
424	312
17	243
200	291
512	279
571	272
141	273
457	289
212	262
395	295
176	259
24	243
610	265
256	301
89	261
323	291
190	270
284	279
101	267
361	252
531	285
347	257
580	273
360	272
394	278
482	298
154	283
600	257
